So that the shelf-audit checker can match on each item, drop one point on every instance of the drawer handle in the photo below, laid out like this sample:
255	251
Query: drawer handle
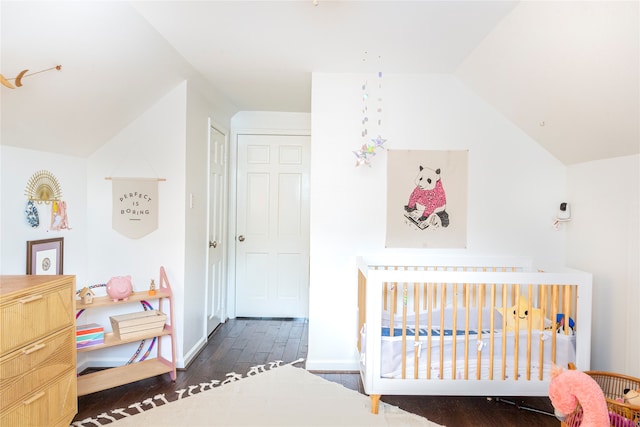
30	299
33	398
34	348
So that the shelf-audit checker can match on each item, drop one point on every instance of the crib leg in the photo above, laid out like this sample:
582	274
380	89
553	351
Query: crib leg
375	401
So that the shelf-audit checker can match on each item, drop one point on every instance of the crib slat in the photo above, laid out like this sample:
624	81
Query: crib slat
425	303
385	296
435	296
516	335
504	334
393	307
362	305
464	295
416	311
466	330
492	323
483	294
543	307
575	305
385	293
443	301
479	352
429	326
404	330
529	328
566	299
554	314
454	328
474	295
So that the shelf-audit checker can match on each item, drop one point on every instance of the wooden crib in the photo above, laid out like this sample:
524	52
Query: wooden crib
411	343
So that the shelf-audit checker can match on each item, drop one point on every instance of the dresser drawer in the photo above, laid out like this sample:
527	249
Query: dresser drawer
28	368
51	405
26	318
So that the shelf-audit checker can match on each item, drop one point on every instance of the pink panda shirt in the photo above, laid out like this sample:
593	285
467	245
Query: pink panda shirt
430	199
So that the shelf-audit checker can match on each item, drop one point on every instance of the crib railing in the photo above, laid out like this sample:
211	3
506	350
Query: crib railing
420	293
403	300
411	343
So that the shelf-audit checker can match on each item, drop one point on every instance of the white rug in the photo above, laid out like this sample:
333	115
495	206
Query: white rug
279	396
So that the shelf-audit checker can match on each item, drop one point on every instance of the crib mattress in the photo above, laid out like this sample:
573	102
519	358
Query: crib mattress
479	348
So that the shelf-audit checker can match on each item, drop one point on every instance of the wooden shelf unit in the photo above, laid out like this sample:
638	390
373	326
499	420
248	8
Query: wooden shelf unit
113	377
134	297
111	340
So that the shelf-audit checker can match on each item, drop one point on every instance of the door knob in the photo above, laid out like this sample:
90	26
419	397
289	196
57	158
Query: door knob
241	238
213	244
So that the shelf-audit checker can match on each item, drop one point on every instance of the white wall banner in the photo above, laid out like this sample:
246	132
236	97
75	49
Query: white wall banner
135	206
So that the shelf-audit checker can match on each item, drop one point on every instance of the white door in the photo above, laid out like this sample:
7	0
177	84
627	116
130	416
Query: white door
272	235
216	266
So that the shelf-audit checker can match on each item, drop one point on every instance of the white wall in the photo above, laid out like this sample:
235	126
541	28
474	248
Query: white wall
603	237
152	146
199	113
514	189
18	165
170	141
270	121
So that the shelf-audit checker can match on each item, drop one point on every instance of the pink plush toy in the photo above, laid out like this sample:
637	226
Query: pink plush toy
119	288
568	388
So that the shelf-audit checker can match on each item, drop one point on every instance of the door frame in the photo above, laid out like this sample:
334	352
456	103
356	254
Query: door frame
226	235
233	204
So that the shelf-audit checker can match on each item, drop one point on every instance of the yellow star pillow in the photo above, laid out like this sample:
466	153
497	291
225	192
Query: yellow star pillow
523	313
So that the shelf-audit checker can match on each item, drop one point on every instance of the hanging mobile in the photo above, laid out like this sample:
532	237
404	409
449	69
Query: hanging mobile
369	146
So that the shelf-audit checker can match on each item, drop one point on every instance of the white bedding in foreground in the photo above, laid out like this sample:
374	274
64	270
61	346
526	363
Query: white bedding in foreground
283	396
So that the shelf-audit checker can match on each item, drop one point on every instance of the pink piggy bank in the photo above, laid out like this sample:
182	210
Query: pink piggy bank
119	288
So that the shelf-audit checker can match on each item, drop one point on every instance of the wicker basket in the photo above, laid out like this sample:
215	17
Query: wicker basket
620	414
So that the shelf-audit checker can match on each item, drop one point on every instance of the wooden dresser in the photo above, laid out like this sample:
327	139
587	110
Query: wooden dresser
37	351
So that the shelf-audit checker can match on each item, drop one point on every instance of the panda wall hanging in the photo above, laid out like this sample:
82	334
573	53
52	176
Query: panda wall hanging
426	199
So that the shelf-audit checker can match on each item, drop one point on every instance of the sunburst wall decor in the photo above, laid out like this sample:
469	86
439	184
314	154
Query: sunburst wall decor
43	186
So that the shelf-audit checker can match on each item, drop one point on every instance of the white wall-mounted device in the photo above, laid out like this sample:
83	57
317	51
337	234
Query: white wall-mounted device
564	215
565	211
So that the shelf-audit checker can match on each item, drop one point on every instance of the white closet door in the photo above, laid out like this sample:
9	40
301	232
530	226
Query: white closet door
272	236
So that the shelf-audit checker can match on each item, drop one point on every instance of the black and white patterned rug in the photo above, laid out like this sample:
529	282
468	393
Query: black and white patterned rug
162	399
277	394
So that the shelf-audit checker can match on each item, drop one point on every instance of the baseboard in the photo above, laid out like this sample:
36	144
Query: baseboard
193	353
346	366
81	366
99	363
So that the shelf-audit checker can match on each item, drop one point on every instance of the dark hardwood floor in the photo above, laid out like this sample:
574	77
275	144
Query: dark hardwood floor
239	344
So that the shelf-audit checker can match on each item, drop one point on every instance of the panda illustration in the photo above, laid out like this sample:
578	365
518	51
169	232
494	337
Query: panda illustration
430	196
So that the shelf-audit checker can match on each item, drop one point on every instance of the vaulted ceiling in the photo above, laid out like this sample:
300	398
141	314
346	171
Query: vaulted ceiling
566	72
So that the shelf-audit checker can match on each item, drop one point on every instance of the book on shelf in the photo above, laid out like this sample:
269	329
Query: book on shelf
89	335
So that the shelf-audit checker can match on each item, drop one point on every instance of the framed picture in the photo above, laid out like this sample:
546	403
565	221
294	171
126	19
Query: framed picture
45	256
427	198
